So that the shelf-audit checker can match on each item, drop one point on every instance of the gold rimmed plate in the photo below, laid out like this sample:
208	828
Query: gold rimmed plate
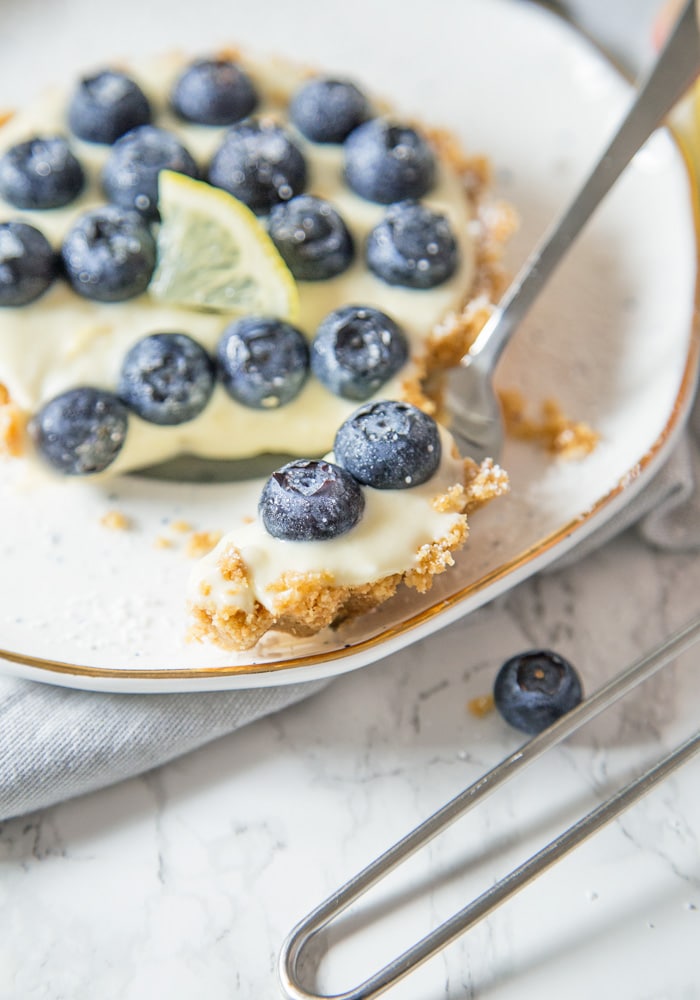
612	340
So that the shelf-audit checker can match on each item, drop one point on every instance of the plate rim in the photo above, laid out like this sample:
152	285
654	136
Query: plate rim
357	653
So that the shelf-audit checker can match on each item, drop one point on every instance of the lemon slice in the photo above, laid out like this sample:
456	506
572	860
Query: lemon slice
213	254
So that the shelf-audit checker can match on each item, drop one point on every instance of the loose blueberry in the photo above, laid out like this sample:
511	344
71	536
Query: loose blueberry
27	264
81	431
310	501
412	246
167	378
326	110
130	175
312	238
389	445
386	162
259	164
107	105
213	92
109	254
263	363
40	173
356	350
534	689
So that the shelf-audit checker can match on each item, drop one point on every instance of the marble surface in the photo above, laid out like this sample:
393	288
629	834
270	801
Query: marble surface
184	882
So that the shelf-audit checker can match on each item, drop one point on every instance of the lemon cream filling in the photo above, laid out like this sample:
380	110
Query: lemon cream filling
62	341
394	529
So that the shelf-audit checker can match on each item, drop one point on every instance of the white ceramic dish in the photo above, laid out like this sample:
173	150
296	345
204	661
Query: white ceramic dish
612	340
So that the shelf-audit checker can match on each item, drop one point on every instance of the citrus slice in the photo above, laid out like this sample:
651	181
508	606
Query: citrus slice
213	254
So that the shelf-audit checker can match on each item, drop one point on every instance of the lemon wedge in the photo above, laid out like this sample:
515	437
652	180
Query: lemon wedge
214	255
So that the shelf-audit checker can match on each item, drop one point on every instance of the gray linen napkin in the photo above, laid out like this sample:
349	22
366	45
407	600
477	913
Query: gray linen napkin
57	743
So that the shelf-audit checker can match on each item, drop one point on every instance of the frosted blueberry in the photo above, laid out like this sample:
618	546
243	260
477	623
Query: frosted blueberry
389	445
259	164
412	246
167	378
213	92
107	105
312	238
27	264
81	431
130	175
387	162
109	254
356	350
308	500
40	173
263	362
327	110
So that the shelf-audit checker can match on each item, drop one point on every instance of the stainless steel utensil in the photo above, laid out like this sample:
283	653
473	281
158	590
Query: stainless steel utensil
476	414
521	876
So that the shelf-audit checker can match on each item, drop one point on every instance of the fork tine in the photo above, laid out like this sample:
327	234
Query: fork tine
428	946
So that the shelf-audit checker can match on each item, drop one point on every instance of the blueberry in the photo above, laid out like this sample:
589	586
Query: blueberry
533	689
81	431
356	350
327	110
27	264
312	238
40	173
167	378
109	254
412	246
309	501
259	164
213	92
263	362
130	175
107	105
386	162
389	445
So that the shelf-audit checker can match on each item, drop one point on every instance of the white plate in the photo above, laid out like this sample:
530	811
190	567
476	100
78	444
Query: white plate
612	340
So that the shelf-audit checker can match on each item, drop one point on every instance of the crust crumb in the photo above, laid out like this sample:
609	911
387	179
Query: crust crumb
13	425
454	335
115	520
232	567
475	170
450	339
482	705
161	542
483	483
435	557
230	628
451	502
201	542
552	429
181	526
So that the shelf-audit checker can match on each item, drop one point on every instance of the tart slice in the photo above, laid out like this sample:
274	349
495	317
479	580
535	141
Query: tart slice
336	537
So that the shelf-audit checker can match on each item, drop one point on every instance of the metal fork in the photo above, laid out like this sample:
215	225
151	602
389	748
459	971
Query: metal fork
521	876
473	404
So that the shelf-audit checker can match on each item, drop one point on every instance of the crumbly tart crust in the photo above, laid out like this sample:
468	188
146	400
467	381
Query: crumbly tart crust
302	604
